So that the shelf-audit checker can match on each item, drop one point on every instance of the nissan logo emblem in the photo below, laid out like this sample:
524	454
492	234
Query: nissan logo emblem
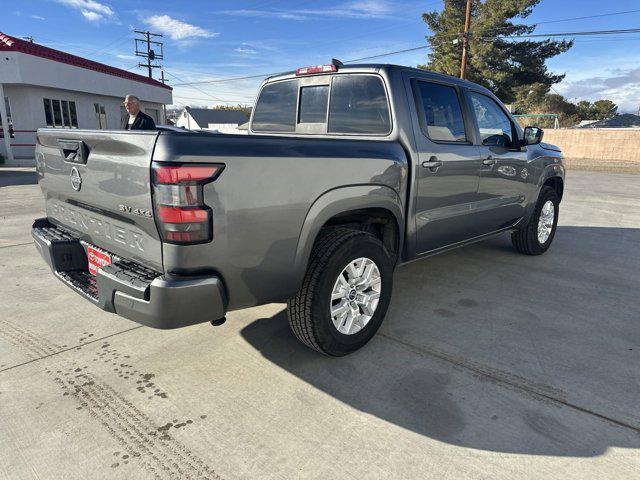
76	179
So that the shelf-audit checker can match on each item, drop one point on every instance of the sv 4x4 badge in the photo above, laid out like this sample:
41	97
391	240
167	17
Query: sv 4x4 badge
142	212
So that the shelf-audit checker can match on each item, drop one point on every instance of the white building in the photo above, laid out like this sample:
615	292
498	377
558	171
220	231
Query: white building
224	121
43	87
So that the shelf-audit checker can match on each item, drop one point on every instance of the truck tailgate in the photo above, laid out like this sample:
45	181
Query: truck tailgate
97	184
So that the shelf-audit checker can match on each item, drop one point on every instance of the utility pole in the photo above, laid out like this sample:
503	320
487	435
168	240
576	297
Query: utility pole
149	53
164	107
465	40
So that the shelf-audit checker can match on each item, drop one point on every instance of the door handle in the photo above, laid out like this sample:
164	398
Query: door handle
489	160
432	164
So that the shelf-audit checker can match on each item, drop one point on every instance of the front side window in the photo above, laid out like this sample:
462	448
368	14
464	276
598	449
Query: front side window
313	104
494	125
442	114
358	105
276	107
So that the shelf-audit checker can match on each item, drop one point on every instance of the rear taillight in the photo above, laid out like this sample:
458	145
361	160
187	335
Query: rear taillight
181	214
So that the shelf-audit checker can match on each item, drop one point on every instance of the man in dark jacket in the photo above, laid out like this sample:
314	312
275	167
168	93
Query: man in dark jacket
136	119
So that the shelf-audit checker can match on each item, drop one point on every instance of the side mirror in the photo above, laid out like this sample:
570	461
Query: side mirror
532	136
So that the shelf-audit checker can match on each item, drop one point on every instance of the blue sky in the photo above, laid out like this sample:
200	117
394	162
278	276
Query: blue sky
206	40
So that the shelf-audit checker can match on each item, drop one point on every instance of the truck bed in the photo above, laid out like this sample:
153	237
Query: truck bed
267	191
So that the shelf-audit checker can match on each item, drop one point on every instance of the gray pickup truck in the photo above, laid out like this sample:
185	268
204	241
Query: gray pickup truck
347	172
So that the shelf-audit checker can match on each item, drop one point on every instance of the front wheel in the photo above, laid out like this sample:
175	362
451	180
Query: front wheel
535	238
345	293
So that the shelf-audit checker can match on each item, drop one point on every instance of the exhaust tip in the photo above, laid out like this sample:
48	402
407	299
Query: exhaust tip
218	322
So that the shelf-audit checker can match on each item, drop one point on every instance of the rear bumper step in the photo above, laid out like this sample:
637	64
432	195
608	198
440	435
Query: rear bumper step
128	288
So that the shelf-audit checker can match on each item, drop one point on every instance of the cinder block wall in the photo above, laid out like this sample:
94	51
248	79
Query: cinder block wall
600	149
618	145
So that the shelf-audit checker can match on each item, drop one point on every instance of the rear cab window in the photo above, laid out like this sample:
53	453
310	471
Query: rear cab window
313	104
276	108
347	104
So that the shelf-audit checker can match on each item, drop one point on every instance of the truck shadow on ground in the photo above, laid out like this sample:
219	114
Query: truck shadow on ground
9	178
487	349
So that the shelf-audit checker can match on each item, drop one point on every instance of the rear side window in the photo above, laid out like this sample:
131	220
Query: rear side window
442	114
313	104
358	105
276	108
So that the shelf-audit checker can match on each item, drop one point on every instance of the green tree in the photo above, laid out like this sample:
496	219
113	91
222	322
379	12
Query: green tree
554	103
508	67
598	110
603	109
242	108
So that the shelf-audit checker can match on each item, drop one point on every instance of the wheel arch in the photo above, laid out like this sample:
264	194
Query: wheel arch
352	205
557	183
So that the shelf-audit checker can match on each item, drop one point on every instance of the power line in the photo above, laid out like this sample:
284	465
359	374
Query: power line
117	40
221	80
406	50
565	20
200	90
245	101
386	54
570	34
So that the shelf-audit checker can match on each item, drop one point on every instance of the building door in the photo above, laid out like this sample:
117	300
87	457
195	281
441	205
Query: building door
153	113
9	128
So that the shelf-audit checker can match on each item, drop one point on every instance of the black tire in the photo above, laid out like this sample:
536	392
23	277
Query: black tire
309	311
525	240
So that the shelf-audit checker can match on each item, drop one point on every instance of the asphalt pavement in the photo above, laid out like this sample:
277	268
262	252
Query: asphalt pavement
490	364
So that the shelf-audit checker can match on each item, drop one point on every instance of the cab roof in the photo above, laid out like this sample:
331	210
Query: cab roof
377	67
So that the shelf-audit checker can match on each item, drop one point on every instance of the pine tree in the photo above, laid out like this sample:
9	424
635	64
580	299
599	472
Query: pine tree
508	67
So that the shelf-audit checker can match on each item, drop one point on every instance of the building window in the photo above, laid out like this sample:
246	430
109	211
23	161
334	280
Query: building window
60	113
48	115
66	117
57	113
73	114
101	116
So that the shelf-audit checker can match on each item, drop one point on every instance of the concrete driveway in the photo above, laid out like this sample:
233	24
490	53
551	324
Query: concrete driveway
489	365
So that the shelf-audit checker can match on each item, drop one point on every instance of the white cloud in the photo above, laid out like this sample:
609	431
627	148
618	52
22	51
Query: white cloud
369	7
177	29
91	16
37	17
125	57
281	14
621	86
358	9
90	9
245	51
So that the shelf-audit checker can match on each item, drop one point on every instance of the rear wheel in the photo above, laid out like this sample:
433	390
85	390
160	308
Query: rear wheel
345	293
535	238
